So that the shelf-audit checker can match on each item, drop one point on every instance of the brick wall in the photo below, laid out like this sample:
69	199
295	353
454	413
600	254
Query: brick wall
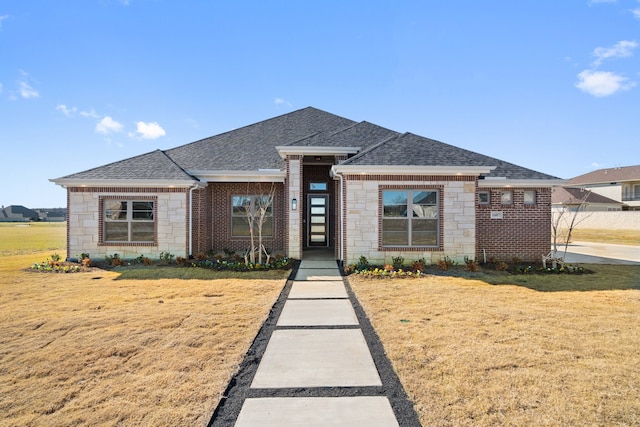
220	195
523	231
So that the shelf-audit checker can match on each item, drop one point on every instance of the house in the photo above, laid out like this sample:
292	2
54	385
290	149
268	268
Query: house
17	213
355	188
621	184
579	198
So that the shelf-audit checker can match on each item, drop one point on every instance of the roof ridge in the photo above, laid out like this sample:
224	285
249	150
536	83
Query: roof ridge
371	148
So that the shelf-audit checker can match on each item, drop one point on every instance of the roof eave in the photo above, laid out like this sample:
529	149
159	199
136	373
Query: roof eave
286	150
264	175
145	183
522	183
410	170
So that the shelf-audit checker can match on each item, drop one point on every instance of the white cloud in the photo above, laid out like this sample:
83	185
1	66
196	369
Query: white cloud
108	125
69	112
151	130
601	1
622	49
2	18
636	12
602	83
89	114
280	101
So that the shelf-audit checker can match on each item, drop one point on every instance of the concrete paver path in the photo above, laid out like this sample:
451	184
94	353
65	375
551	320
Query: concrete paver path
320	364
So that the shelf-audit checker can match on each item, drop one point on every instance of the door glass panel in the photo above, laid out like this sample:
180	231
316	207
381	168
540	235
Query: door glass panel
317	210
317	219
317	238
318	201
317	228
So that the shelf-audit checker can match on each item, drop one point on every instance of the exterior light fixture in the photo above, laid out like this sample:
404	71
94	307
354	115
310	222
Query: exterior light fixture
294	204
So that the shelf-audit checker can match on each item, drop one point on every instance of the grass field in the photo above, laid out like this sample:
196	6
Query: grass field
620	237
99	348
158	346
474	354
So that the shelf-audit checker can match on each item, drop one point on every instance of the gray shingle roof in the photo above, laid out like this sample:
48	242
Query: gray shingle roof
253	147
573	196
153	165
413	150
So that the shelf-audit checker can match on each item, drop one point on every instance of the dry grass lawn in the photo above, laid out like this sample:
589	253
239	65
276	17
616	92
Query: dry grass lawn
93	349
620	237
474	354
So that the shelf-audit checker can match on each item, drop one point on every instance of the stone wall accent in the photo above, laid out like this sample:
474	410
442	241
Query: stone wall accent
362	217
85	222
294	191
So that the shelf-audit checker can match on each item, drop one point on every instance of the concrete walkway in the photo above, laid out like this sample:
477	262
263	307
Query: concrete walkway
318	368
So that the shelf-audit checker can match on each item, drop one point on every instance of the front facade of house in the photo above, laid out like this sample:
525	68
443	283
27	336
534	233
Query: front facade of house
320	181
620	184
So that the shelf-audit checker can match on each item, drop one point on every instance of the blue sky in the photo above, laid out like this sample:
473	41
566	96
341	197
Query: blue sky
550	85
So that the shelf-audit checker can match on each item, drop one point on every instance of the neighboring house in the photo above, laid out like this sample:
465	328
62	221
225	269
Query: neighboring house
17	213
354	187
621	184
52	215
573	198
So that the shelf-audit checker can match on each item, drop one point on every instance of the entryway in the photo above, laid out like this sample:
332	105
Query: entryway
318	220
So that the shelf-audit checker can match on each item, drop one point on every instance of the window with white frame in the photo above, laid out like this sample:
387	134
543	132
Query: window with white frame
128	221
530	197
506	197
410	218
248	209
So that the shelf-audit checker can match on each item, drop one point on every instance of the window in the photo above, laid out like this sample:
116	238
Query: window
410	218
506	197
245	207
129	221
318	186
529	197
483	198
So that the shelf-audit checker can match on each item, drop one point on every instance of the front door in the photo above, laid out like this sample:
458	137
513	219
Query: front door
318	220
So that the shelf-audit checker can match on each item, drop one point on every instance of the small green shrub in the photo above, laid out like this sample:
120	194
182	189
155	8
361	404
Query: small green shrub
470	264
166	257
363	263
397	262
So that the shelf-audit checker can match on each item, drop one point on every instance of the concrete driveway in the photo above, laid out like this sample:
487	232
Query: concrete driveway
601	253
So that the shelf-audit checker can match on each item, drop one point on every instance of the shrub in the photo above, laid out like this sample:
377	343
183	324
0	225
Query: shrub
418	265
113	260
363	263
502	266
166	257
470	264
397	262
446	263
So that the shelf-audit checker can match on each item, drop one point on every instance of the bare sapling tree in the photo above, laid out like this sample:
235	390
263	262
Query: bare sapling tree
563	221
257	208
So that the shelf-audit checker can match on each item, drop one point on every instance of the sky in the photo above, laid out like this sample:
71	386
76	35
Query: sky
549	85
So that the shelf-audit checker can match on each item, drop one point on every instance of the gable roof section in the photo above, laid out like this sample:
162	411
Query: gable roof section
151	167
602	176
574	196
413	150
253	147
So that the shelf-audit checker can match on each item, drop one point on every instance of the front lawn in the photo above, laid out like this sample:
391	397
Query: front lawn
547	351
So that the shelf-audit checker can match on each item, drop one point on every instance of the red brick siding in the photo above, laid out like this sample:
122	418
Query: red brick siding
524	232
220	220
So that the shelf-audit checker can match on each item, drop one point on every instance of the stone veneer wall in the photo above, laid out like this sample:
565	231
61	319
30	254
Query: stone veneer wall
517	230
84	226
362	217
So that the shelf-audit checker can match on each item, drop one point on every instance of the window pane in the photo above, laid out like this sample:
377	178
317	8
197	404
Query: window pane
317	228
395	232
317	220
424	232
530	197
115	210
142	211
318	186
318	201
142	232
395	203
425	198
317	211
240	226
116	231
267	227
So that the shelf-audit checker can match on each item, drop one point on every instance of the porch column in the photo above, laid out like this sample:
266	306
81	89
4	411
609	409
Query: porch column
294	191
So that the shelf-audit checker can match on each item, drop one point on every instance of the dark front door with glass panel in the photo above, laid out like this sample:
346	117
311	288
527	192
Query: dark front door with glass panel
318	220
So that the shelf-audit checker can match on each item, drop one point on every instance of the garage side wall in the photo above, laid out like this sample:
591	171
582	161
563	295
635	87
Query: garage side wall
515	230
